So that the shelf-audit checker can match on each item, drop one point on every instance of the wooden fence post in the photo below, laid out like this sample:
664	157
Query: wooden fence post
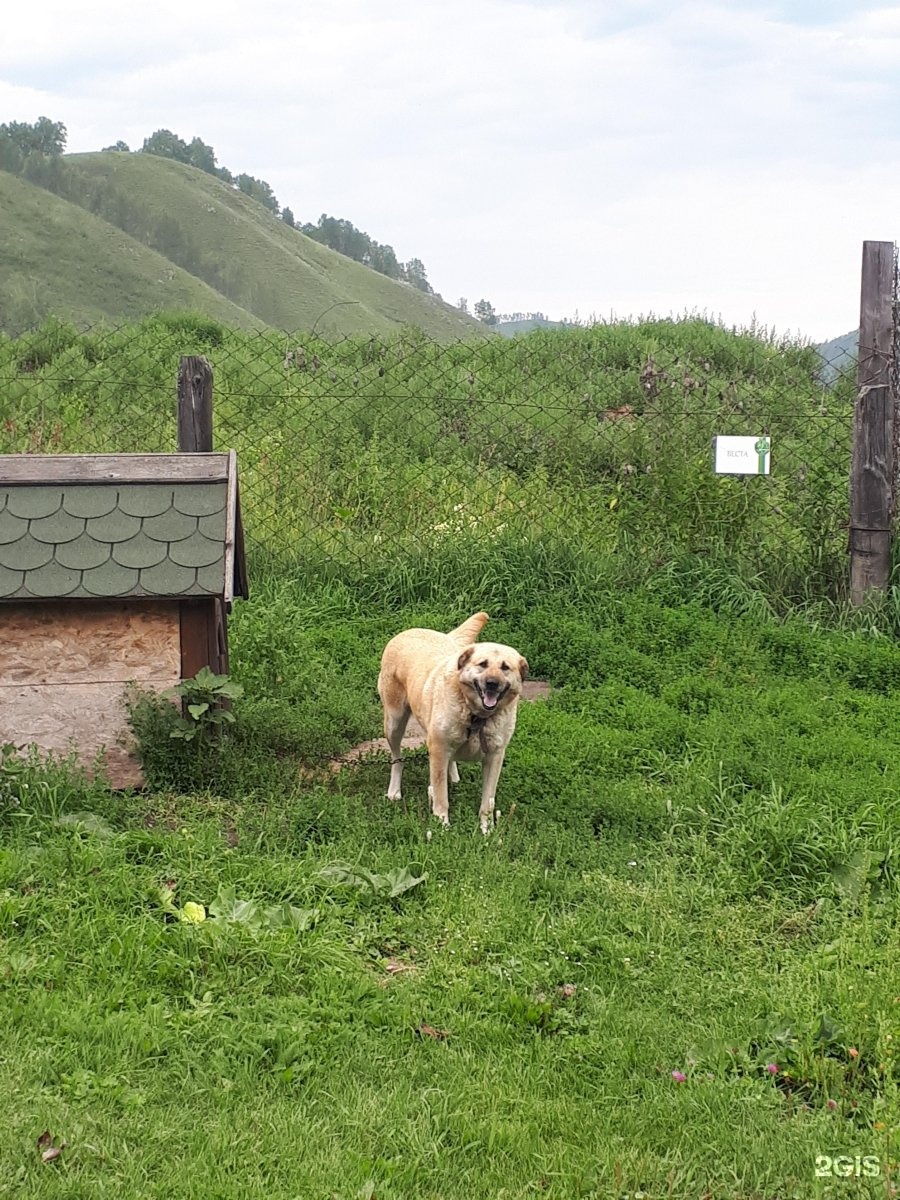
872	470
195	400
204	638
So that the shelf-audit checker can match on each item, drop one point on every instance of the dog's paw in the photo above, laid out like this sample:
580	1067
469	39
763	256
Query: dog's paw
488	820
394	794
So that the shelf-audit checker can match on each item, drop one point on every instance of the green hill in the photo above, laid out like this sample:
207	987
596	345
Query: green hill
839	354
514	328
56	258
238	248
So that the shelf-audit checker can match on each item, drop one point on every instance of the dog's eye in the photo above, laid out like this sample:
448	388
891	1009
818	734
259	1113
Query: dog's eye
484	664
504	667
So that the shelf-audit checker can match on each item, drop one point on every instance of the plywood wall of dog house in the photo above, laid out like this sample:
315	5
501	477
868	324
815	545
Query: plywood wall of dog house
65	670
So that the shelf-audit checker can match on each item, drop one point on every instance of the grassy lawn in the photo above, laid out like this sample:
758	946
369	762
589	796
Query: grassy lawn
673	970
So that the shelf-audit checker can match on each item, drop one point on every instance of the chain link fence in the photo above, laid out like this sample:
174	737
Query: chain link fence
597	440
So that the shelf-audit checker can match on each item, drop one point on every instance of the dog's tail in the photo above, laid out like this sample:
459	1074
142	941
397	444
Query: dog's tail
467	633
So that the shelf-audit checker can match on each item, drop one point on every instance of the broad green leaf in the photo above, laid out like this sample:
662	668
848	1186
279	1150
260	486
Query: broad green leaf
87	821
403	880
286	916
227	908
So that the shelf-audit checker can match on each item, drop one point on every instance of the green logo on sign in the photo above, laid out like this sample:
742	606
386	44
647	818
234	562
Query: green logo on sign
762	449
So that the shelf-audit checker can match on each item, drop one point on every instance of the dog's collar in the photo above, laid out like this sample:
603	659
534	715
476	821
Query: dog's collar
476	725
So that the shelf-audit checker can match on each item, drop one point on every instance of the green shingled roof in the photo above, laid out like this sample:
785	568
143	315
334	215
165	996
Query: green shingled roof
67	537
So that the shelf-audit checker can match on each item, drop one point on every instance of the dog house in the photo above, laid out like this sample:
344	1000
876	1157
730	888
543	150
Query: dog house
114	569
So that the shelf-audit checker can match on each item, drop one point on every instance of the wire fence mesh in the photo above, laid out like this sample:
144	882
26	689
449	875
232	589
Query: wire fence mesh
599	438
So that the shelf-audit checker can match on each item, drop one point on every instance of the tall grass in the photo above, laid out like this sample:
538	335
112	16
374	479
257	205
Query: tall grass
391	459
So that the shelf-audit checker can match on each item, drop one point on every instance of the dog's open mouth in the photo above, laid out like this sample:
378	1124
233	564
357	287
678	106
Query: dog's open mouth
490	697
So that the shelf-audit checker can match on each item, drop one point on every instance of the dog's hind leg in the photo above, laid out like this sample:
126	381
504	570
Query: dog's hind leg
395	721
453	771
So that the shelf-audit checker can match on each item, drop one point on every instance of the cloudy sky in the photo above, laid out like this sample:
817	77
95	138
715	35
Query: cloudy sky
573	157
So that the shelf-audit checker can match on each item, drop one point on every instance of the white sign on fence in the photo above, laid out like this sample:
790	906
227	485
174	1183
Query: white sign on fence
742	455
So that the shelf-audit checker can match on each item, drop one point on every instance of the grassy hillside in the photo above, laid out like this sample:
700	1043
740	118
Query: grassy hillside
57	258
235	245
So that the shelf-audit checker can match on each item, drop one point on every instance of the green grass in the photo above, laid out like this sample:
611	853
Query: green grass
695	871
138	233
56	257
391	462
696	866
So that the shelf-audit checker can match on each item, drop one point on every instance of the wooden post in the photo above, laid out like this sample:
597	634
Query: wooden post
201	639
195	400
872	470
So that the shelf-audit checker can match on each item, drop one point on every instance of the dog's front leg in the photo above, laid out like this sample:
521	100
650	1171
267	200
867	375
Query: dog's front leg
492	765
439	770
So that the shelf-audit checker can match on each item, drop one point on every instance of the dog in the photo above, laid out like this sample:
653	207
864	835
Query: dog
464	693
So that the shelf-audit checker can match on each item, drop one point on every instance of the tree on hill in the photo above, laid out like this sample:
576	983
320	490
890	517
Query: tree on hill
120	145
484	311
166	144
383	260
259	190
414	273
202	157
287	216
343	236
43	137
34	151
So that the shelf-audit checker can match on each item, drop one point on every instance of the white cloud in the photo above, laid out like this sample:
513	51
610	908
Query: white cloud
564	155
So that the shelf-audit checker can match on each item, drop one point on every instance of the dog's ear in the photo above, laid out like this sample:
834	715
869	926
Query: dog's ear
523	667
464	657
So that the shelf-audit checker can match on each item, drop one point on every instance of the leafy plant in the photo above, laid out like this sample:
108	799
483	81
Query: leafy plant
387	886
202	700
182	746
227	910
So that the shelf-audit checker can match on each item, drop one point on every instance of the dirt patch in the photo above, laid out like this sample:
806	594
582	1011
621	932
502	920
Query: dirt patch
532	689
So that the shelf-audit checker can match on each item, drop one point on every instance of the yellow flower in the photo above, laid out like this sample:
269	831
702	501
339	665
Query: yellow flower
193	913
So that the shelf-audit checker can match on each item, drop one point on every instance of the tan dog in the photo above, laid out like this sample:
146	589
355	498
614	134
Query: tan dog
464	694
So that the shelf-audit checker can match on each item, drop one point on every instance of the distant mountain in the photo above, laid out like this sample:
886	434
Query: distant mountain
511	327
125	234
839	354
